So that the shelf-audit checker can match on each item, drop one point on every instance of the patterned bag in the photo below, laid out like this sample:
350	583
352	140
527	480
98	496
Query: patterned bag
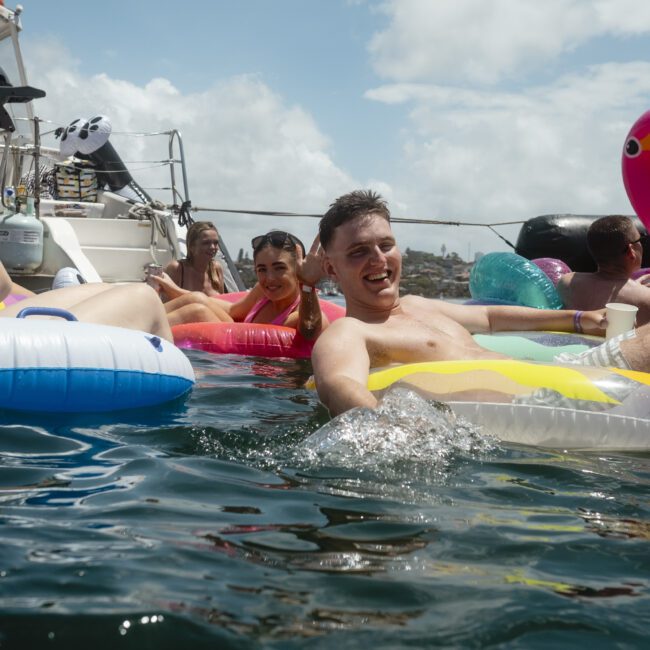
75	182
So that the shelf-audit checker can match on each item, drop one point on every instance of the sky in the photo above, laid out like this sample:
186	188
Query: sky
477	111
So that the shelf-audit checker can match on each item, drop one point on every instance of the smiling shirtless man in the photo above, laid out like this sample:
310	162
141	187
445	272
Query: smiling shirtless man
380	328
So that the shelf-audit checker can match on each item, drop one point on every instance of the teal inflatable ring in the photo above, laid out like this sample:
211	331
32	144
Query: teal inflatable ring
507	278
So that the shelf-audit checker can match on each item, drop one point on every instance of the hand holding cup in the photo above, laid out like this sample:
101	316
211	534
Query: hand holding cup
621	318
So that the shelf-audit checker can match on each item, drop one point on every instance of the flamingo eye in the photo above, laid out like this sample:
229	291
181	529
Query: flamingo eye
632	147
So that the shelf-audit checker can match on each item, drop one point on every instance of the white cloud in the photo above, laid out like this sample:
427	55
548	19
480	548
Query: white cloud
475	152
479	156
623	16
471	150
484	42
245	148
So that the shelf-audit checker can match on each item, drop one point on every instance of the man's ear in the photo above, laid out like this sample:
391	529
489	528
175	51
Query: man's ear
328	268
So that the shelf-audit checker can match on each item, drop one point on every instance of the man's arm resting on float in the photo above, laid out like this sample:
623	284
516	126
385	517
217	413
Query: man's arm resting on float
502	318
341	365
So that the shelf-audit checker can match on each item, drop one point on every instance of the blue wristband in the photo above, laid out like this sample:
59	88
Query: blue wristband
577	325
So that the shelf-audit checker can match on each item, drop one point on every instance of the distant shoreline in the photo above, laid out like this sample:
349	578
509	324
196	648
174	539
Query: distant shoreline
423	274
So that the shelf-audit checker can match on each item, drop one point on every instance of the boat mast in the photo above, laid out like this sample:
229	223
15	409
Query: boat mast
13	24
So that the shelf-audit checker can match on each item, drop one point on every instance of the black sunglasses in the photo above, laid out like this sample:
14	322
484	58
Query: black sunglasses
643	240
277	238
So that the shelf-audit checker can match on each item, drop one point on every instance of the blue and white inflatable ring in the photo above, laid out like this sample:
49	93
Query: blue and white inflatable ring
70	367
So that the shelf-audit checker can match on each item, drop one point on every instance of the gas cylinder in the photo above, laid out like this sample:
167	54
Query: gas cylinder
21	241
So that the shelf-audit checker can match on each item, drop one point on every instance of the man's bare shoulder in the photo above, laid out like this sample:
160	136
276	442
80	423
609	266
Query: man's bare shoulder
420	301
420	305
340	330
342	325
411	297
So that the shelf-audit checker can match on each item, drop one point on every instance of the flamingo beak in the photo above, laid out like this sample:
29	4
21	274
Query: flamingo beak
645	143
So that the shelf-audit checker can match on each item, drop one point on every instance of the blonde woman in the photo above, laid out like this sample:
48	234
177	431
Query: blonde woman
199	271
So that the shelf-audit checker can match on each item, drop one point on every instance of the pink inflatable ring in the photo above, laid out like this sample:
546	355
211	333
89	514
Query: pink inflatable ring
250	339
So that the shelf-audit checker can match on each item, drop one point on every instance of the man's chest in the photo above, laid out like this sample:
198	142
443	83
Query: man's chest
406	341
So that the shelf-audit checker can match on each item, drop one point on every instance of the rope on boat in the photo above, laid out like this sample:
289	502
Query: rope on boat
184	216
422	222
147	212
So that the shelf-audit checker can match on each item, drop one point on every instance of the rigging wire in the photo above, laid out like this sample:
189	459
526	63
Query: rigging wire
410	220
435	222
185	209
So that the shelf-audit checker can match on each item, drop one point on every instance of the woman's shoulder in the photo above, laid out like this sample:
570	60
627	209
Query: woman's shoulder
174	265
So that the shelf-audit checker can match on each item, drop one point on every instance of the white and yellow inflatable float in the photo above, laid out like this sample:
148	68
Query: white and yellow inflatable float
532	401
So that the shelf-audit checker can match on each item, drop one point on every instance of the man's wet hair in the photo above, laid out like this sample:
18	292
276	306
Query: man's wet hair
607	237
350	206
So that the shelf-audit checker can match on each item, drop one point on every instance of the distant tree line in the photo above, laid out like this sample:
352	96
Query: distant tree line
423	274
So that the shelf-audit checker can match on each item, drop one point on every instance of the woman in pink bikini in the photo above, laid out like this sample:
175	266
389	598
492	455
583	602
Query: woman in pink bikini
285	293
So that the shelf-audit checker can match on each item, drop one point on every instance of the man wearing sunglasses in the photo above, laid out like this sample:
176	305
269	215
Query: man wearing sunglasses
617	248
381	327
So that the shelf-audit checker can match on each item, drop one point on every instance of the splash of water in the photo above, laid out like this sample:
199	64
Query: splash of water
404	427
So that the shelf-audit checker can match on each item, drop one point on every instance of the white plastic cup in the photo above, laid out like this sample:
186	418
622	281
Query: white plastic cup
620	318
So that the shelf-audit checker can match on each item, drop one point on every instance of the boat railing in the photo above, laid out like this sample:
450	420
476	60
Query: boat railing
22	144
175	135
182	205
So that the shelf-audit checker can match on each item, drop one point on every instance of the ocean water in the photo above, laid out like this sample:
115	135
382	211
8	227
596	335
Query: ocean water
242	517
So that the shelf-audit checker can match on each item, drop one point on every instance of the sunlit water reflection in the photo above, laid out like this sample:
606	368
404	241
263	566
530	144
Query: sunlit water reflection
243	517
